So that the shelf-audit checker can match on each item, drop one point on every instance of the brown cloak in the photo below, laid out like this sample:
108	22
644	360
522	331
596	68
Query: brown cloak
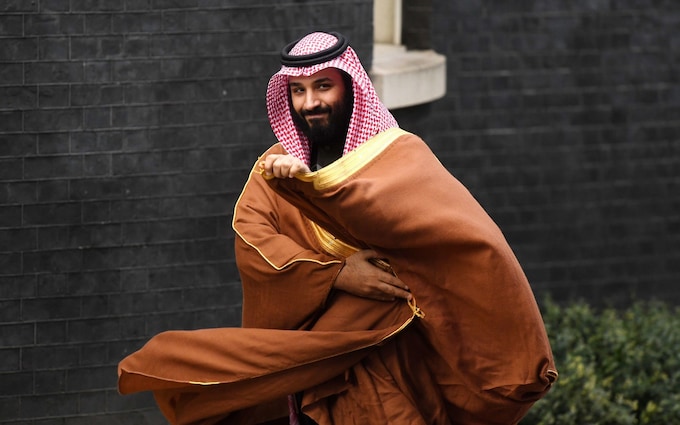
479	356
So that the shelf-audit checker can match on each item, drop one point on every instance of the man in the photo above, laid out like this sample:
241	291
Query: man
376	290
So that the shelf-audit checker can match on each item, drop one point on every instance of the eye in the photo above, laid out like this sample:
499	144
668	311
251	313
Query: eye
297	90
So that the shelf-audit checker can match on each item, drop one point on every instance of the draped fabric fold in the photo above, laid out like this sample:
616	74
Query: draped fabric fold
391	194
207	375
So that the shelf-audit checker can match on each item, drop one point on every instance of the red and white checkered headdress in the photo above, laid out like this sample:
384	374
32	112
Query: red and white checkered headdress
369	115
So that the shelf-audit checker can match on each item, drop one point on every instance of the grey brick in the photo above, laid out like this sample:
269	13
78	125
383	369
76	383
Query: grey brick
11	262
53	166
99	23
19	97
15	287
54	6
50	308
138	5
51	96
16	384
136	116
93	236
49	358
172	114
11	121
11	25
152	162
91	403
129	210
102	282
42	24
53	72
134	280
50	382
143	22
10	216
53	48
48	120
113	257
169	230
17	145
97	165
11	169
94	354
147	186
61	213
137	140
96	212
92	378
12	73
17	334
57	261
95	189
95	306
19	49
136	70
52	143
10	406
85	47
9	361
52	190
96	118
17	239
10	311
136	47
55	405
96	71
53	332
52	284
99	141
98	5
93	330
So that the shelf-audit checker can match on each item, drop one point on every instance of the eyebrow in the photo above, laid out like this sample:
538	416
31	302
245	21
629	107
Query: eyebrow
320	80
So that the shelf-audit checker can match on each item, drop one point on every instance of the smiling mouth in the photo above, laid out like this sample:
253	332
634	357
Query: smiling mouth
317	119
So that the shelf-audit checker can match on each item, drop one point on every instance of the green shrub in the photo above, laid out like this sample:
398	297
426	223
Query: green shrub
617	367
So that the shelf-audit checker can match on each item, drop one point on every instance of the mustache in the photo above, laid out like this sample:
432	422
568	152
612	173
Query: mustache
317	110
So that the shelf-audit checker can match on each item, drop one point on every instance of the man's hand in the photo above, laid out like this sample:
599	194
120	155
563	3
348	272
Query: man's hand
360	277
283	166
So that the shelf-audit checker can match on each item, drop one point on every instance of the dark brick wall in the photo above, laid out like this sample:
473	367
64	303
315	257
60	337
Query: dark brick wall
563	118
127	129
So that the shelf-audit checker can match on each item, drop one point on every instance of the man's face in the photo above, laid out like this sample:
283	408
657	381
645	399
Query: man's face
321	105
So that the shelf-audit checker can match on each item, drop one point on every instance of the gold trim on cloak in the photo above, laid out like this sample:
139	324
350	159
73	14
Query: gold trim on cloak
347	165
331	244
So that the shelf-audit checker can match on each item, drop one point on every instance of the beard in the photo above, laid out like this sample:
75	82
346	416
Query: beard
331	131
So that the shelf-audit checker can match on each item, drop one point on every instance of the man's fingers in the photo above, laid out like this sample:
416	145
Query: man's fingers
364	276
397	288
397	283
283	166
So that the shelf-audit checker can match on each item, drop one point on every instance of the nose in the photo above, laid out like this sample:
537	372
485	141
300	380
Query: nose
311	100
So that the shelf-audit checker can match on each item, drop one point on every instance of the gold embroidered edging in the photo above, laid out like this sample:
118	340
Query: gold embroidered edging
347	165
331	244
